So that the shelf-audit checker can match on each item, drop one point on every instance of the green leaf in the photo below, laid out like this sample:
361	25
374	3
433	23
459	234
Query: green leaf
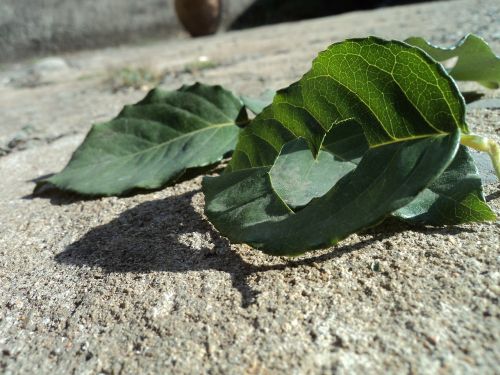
384	101
476	61
154	141
456	197
244	207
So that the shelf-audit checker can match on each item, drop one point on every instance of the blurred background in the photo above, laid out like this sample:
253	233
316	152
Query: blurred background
34	28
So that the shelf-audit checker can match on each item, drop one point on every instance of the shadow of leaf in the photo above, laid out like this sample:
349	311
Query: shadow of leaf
149	236
152	237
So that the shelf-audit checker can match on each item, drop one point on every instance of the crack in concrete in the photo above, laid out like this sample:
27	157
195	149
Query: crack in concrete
21	142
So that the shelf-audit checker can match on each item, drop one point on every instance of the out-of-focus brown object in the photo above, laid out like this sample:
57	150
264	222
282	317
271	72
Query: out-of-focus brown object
199	17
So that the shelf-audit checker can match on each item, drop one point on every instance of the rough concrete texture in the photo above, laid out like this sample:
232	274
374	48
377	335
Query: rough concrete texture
145	285
37	27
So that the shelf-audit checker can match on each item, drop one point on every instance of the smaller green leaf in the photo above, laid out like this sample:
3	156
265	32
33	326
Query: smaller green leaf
476	61
456	197
154	141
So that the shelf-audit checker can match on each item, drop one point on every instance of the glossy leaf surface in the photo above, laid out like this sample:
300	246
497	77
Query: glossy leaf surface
384	101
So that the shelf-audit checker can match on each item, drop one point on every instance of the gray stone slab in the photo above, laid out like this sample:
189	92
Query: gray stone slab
145	285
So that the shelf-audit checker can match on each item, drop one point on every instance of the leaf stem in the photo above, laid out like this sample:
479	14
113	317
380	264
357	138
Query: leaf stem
484	144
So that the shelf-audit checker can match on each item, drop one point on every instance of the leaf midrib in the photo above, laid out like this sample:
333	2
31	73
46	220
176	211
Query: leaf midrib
158	145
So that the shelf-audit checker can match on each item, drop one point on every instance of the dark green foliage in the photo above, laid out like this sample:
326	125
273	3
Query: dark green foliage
153	142
296	181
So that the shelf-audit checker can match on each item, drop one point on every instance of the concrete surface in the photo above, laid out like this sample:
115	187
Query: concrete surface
144	284
37	27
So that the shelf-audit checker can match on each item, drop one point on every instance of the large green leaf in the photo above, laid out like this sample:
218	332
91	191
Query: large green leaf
410	115
455	197
476	60
154	141
244	206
